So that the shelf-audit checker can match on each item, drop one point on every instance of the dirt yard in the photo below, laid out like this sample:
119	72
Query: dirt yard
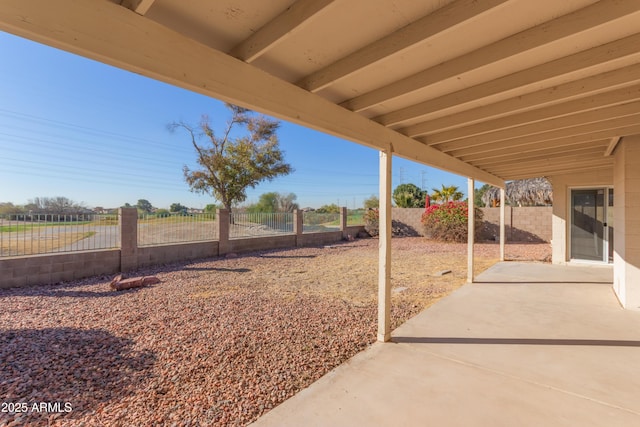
217	342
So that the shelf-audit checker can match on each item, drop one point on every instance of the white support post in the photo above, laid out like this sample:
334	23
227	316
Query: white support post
471	227
503	202
384	249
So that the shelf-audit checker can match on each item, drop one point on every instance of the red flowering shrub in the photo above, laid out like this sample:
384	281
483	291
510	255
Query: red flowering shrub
448	221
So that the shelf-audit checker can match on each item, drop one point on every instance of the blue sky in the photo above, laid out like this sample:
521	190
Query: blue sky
98	135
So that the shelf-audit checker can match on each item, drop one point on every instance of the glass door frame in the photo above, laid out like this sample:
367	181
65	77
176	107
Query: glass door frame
606	244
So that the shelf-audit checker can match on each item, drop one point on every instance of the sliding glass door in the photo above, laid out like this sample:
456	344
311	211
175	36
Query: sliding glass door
592	224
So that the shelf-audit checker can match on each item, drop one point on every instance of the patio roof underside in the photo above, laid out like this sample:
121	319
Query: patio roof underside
490	89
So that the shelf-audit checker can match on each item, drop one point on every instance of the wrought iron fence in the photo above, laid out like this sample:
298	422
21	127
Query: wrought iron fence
315	222
158	229
355	217
32	234
245	224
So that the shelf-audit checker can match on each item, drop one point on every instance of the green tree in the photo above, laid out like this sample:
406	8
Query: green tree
268	202
210	208
229	165
144	205
10	208
372	202
446	194
409	196
177	207
332	208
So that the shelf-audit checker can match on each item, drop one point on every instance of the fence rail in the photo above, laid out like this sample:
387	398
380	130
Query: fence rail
162	229
314	222
245	224
32	234
355	217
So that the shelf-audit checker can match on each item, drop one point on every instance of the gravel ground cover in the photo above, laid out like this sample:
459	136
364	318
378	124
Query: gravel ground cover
217	342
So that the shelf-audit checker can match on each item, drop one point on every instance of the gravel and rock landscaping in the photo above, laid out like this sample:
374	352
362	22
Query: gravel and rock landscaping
216	342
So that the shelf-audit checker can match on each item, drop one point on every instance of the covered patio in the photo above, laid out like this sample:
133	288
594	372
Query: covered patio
493	90
554	350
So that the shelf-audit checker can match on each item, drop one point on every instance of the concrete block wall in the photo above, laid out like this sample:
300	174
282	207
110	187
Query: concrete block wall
318	239
252	244
54	268
533	220
522	224
409	219
164	254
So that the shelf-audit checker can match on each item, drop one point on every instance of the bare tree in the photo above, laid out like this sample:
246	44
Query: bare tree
54	205
287	202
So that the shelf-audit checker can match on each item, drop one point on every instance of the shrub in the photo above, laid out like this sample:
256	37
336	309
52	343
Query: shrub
371	218
448	221
409	196
332	208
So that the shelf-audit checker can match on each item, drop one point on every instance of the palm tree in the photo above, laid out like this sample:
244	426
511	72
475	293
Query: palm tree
446	194
522	192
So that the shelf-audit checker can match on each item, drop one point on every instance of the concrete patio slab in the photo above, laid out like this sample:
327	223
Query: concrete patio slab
534	272
505	352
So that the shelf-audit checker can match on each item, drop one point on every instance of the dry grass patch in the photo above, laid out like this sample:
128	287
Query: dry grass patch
30	243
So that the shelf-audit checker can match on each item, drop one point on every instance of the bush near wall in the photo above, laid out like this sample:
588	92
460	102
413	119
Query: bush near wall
399	228
448	221
371	221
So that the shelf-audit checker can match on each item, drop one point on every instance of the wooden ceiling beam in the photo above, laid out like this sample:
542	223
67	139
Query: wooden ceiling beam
533	149
600	119
549	140
611	147
555	171
567	25
440	20
141	7
111	34
277	29
546	170
560	152
582	87
604	106
575	160
609	52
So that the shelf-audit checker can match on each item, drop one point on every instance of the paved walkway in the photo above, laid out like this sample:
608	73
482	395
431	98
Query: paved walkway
505	352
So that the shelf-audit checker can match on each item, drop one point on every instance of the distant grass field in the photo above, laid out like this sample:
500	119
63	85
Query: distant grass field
26	226
15	245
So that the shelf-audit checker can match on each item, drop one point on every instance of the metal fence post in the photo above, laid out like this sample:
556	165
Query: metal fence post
298	225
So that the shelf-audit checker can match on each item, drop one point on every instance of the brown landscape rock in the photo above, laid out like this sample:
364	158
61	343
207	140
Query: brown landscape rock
119	284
